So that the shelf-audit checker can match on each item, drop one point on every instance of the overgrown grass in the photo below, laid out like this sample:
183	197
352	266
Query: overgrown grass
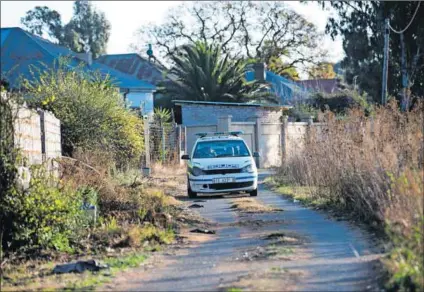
370	167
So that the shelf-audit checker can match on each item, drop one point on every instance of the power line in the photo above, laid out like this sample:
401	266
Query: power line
409	24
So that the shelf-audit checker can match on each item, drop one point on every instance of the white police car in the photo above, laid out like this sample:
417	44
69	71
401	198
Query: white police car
221	163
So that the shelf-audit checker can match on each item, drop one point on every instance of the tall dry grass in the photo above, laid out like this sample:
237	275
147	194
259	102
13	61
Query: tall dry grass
371	167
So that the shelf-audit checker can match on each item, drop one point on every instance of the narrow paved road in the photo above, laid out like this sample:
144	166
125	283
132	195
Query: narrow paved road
335	256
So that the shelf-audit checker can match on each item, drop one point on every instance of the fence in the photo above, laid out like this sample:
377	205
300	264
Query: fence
37	135
165	143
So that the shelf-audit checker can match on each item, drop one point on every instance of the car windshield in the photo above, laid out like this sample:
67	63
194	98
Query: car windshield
216	149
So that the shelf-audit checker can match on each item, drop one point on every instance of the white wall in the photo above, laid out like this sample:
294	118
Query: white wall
135	99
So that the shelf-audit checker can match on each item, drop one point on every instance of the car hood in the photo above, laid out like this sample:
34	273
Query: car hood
222	163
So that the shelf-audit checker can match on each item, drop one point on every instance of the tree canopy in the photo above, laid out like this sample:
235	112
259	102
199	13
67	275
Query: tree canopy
322	70
204	73
361	25
88	29
262	31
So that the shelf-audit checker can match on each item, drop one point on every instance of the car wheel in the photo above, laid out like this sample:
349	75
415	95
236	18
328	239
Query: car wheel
190	193
254	193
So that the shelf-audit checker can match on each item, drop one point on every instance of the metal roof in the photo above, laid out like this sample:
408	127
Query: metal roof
288	91
22	50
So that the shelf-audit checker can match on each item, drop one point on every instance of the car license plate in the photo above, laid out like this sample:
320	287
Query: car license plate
223	180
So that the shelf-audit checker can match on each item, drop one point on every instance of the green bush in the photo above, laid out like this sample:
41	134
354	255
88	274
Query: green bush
341	102
92	112
47	215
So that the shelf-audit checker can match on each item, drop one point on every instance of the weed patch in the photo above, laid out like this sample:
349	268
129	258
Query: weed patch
249	205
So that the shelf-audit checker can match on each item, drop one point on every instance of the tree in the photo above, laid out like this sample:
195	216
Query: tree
361	25
204	73
252	30
322	70
87	30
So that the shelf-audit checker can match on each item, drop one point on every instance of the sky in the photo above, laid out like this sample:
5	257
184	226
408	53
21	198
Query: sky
127	16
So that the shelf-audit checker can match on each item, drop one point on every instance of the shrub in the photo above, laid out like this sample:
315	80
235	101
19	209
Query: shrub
341	102
46	215
371	166
92	112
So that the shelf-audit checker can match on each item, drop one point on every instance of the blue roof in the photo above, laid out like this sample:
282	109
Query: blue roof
287	90
4	33
22	50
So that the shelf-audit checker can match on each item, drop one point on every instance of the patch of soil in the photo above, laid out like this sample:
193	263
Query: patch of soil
274	280
254	223
250	205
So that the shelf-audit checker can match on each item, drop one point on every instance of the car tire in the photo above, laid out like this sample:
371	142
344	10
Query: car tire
190	193
254	193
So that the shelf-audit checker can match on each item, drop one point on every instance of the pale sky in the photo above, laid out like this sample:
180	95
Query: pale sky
127	16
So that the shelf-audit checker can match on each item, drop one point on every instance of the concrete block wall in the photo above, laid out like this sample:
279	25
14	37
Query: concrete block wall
266	131
198	115
37	134
28	135
52	138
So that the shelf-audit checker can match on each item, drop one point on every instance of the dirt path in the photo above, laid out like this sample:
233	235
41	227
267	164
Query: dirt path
315	253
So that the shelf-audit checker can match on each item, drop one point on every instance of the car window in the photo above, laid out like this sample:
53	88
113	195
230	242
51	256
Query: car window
225	148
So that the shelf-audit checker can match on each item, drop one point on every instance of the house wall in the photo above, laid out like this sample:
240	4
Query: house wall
195	115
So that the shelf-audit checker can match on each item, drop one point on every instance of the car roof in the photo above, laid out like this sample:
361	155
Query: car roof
219	138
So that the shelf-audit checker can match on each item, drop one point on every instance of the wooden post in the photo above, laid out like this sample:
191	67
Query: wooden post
284	125
146	169
258	137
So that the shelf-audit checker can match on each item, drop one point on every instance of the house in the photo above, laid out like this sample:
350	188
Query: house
140	68
21	50
288	91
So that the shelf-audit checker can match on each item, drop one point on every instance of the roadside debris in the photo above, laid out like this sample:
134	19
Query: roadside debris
195	206
79	267
204	231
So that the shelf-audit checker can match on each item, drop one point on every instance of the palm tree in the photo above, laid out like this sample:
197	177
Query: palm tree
203	73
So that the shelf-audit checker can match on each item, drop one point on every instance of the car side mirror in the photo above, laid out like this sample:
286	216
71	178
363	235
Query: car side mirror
256	154
185	157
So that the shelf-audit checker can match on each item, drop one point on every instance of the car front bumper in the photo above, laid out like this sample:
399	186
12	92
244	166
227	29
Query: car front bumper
243	182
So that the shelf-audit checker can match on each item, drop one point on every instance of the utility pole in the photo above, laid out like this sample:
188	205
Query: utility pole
405	97
385	62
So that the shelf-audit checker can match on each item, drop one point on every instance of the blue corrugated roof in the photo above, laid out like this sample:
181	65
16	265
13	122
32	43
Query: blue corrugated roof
21	49
284	88
4	33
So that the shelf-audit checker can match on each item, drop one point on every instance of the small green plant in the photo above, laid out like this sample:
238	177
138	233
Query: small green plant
162	115
405	261
234	290
46	215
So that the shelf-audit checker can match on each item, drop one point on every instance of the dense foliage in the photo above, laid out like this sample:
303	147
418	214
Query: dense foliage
88	29
92	112
204	73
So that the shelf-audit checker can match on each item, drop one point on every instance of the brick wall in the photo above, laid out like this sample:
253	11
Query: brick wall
196	115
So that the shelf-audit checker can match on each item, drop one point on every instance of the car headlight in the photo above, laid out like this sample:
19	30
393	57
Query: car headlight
197	171
247	168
